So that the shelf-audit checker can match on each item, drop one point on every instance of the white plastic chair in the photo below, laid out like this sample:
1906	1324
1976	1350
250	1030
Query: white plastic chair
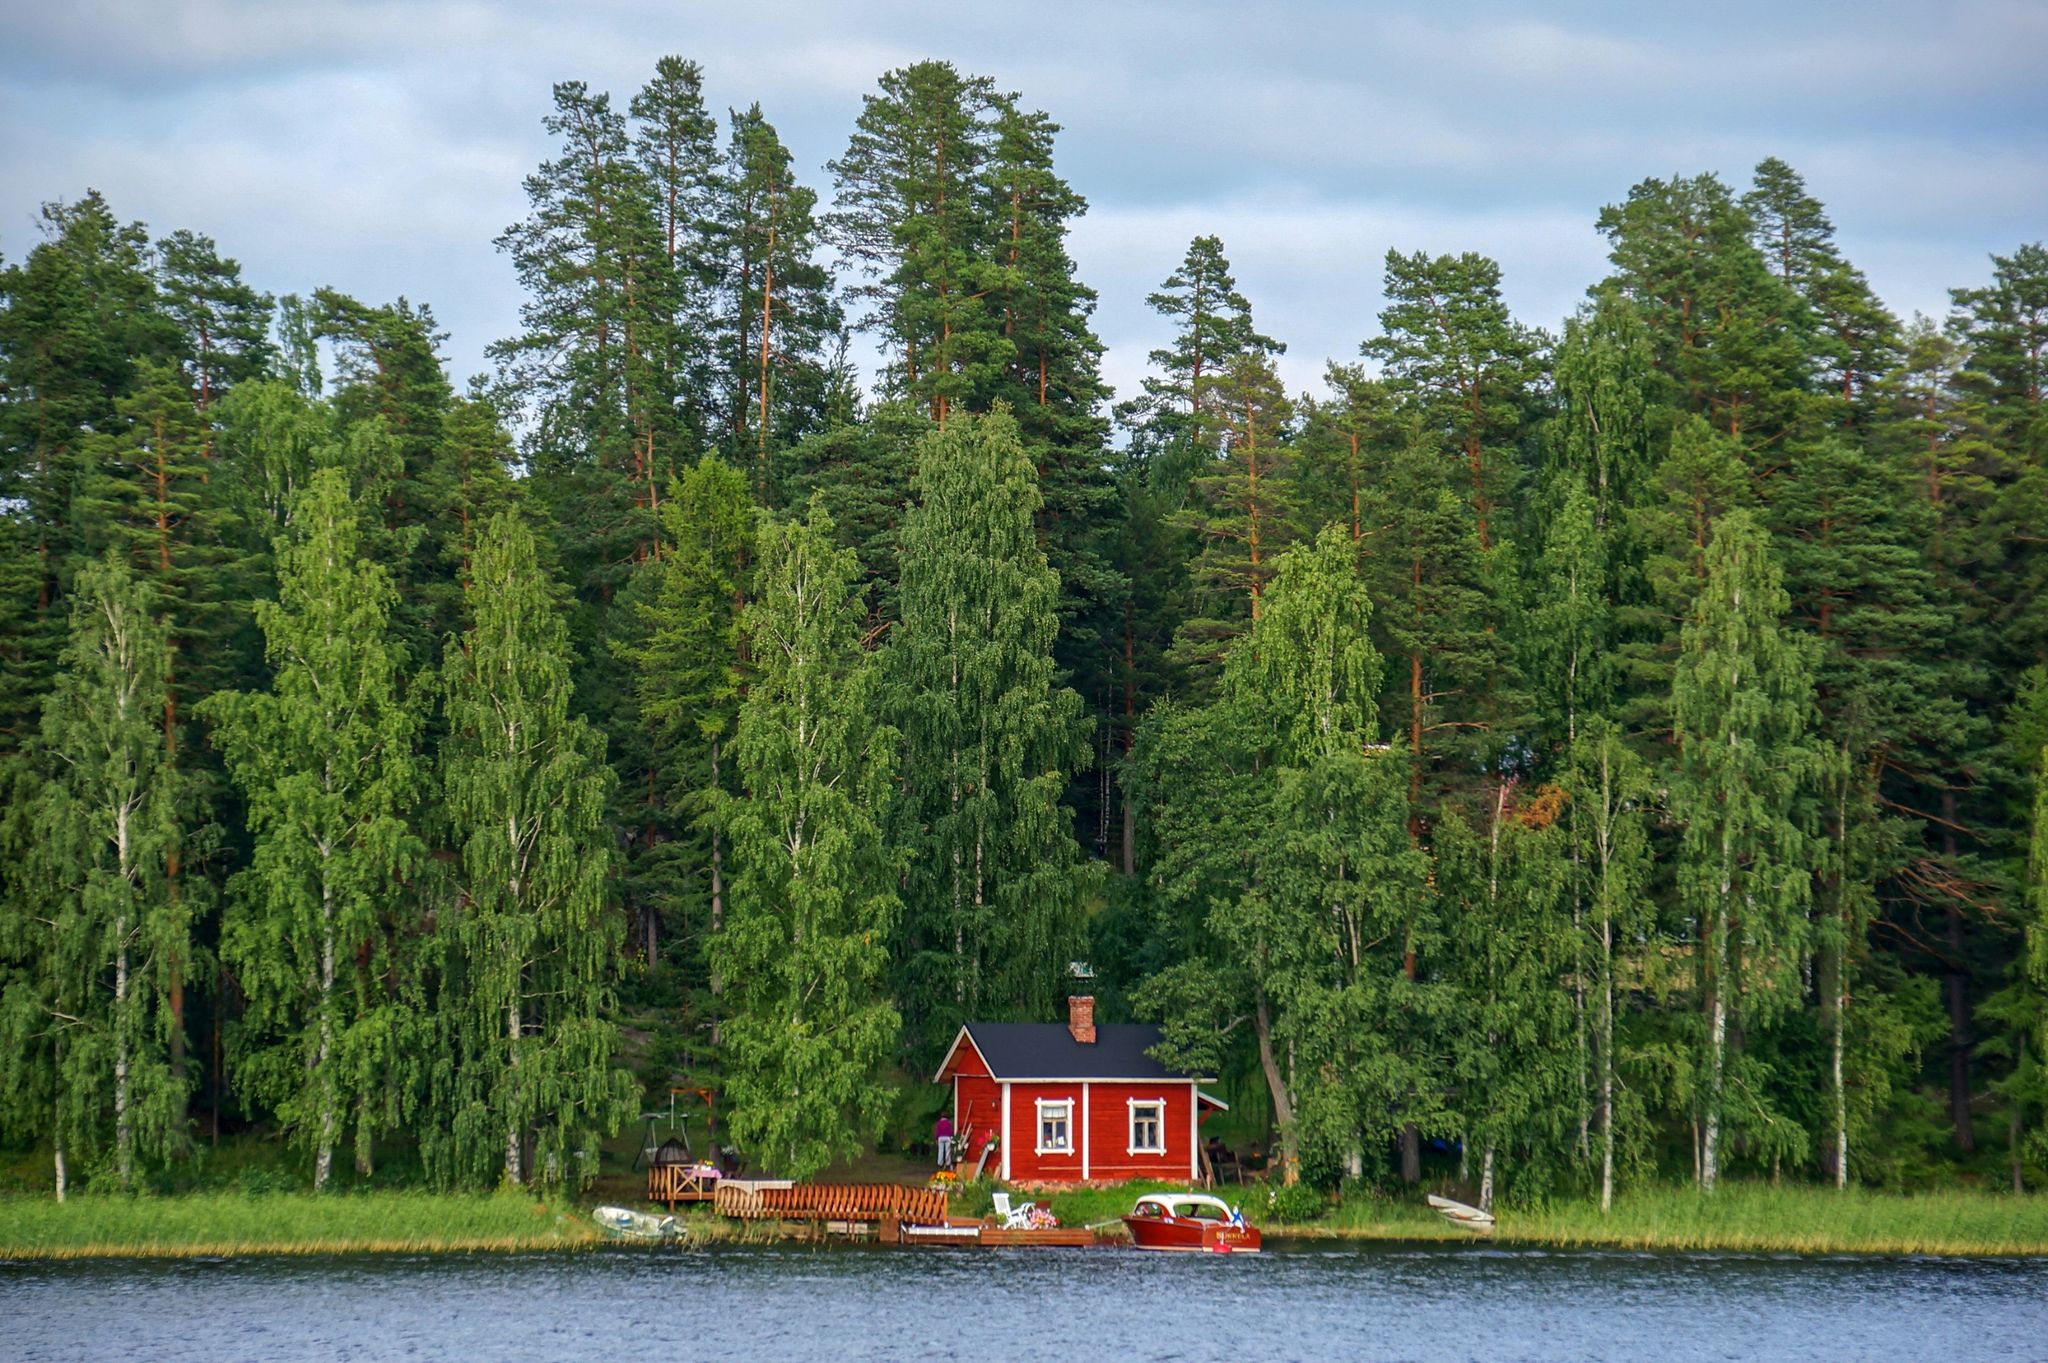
1014	1218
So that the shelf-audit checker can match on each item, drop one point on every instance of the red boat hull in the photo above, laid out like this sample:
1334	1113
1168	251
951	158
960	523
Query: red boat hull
1187	1235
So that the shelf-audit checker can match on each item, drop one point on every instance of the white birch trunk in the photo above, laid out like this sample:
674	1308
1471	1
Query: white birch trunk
323	1159
1841	1093
513	1173
1606	1063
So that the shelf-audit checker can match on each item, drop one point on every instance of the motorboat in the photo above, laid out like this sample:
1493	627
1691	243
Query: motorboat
1190	1223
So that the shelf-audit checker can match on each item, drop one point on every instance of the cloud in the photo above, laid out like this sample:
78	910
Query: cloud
379	145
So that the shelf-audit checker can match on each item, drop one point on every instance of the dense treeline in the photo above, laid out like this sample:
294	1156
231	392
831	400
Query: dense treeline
1609	754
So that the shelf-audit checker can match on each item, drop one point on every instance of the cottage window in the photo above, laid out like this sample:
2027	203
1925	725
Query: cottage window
1148	1126
1055	1126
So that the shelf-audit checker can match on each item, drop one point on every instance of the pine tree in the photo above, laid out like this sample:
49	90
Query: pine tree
1450	347
80	312
1732	341
1855	338
996	886
1699	479
776	311
224	324
593	367
675	148
1437	617
1742	699
321	925
101	930
861	473
1240	508
687	681
804	945
529	947
912	216
1174	423
1890	704
1341	441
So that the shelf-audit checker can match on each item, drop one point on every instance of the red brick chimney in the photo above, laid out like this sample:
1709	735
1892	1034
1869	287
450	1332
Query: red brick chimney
1081	1018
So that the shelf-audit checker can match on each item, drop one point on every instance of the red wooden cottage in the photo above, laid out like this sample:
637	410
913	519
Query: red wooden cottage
1073	1102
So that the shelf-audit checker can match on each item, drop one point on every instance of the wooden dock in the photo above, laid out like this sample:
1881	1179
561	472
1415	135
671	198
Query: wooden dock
892	1213
981	1235
872	1203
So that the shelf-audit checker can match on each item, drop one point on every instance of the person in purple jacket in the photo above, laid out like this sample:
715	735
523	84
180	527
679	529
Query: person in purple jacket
942	1132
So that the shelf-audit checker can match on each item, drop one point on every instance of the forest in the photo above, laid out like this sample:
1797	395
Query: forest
1610	752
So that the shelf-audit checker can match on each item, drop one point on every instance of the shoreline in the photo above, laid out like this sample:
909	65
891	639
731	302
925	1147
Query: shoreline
1805	1222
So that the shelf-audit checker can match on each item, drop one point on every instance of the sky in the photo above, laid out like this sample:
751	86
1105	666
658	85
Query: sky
378	147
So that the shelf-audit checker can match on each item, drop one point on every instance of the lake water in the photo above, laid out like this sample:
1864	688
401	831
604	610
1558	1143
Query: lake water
1295	1303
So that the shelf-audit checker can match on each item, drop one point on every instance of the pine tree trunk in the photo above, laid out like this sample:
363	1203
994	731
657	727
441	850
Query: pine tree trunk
1958	1001
717	895
767	324
1129	738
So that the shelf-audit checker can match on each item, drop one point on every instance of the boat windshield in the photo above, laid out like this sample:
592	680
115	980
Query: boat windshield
1184	1208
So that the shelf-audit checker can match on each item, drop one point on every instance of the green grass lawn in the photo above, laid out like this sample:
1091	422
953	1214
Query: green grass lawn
1753	1217
1742	1217
1796	1219
208	1224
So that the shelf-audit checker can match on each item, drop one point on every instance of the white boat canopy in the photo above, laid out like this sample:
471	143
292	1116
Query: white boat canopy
1185	1205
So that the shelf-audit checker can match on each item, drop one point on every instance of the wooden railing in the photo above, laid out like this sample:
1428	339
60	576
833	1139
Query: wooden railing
673	1183
834	1202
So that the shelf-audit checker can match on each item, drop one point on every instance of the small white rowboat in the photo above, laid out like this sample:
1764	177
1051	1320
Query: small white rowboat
628	1224
1458	1214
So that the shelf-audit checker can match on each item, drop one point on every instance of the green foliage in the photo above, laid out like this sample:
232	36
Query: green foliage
996	887
1643	878
526	949
804	947
96	929
687	680
1743	701
322	929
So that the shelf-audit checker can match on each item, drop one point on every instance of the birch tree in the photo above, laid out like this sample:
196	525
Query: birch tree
1742	699
529	947
88	1024
1609	788
320	925
996	887
804	947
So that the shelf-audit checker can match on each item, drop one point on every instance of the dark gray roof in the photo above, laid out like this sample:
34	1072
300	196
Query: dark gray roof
1047	1050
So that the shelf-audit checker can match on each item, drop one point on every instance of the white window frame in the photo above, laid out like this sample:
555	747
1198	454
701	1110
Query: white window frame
1043	1107
1158	1105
